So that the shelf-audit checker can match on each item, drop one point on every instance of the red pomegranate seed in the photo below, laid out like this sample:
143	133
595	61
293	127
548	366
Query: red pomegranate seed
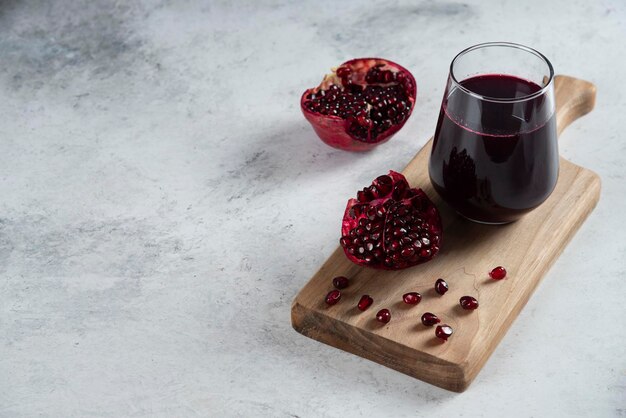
341	282
443	332
441	286
412	298
498	273
469	303
430	319
333	297
383	316
365	302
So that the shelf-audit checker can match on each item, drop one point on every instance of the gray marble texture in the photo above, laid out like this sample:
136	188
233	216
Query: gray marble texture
163	201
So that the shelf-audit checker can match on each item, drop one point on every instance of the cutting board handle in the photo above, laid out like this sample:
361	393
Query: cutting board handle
574	98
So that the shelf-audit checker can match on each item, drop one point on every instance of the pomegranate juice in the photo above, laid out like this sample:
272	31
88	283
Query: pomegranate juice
495	158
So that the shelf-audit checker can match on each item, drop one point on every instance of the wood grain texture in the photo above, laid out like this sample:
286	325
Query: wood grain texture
527	248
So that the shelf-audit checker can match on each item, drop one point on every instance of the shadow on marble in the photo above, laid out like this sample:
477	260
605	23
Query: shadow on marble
291	151
314	358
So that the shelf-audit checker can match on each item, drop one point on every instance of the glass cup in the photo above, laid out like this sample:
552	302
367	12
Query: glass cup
495	154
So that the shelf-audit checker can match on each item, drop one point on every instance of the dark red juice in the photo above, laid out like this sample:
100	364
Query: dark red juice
495	158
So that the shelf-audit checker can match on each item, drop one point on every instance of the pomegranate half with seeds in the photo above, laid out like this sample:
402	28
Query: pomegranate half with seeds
390	226
361	104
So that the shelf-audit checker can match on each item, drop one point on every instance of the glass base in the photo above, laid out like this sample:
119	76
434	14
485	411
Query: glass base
483	222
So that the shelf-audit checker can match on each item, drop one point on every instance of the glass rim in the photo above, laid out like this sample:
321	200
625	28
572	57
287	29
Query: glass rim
533	51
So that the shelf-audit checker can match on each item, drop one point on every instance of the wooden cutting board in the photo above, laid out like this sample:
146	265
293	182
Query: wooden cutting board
527	248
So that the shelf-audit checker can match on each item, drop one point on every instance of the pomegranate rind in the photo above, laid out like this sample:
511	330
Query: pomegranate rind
333	130
416	203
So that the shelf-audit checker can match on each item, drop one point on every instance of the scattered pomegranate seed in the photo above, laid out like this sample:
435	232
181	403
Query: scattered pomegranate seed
469	303
412	298
498	273
341	282
365	302
383	316
430	319
443	332
333	297
441	286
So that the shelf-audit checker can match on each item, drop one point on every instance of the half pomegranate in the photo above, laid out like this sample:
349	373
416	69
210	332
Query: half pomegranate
361	104
390	226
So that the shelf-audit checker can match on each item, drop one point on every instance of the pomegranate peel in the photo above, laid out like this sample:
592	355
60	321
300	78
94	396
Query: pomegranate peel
360	104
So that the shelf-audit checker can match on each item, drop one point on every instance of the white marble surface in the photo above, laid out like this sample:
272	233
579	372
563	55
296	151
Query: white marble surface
163	200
